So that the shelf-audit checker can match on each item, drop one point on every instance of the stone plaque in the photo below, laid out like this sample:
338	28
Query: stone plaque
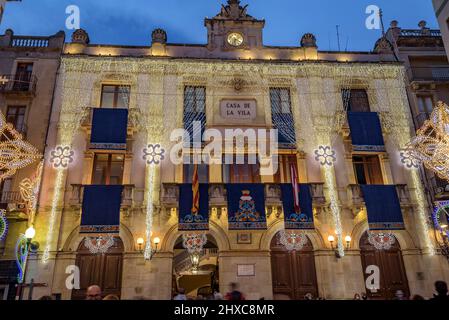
246	270
238	109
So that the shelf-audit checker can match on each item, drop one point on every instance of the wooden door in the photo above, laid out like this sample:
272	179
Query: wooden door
293	273
104	270
392	271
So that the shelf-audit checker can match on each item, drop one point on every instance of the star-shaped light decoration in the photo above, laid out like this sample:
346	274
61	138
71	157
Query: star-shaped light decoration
292	240
15	153
61	157
325	155
381	240
153	154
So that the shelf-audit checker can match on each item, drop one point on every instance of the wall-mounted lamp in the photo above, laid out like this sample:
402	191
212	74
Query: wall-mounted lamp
140	242
348	240
154	249
331	240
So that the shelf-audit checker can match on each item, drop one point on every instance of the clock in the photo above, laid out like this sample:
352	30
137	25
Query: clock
235	39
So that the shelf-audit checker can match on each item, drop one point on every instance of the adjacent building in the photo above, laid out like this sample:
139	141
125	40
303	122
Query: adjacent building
442	12
118	206
28	68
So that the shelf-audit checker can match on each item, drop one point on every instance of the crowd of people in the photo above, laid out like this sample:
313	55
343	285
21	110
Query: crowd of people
94	293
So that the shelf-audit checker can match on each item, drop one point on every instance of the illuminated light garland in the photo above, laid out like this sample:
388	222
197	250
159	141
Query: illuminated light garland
438	212
148	252
153	154
29	191
325	155
381	240
99	245
292	240
3	225
60	175
194	242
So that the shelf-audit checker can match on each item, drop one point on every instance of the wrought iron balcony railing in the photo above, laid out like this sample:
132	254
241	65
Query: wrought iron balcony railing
19	84
437	73
76	196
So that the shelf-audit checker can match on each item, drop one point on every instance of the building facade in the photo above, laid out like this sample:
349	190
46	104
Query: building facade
115	112
28	67
442	13
424	57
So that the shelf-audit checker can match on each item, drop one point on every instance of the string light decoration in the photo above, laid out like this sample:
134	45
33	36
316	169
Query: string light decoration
153	154
292	240
431	144
3	225
99	245
325	155
15	153
381	240
148	252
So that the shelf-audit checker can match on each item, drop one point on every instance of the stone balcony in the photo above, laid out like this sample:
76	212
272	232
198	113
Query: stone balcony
77	191
218	196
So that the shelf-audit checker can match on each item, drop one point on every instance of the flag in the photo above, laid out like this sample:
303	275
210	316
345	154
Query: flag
295	186
196	191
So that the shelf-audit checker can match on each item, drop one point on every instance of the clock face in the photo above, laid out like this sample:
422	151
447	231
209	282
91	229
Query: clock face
235	39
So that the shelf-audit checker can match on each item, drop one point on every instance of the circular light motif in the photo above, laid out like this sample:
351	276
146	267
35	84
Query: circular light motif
440	216
194	242
381	240
99	245
325	155
61	157
153	154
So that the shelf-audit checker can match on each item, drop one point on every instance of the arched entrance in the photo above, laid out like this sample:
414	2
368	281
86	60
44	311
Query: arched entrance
293	273
104	270
196	280
391	265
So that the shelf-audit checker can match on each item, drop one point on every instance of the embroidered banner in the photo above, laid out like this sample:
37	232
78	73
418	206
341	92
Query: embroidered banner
295	220
366	131
246	206
109	129
101	209
383	207
188	220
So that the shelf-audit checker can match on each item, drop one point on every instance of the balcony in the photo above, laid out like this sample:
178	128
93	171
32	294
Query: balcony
218	196
432	74
135	120
21	85
76	196
357	200
439	188
12	202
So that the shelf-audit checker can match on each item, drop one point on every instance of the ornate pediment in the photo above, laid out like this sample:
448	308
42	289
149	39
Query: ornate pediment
233	11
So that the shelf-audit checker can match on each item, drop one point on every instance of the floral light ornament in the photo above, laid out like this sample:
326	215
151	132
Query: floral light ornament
194	242
409	160
381	240
292	240
153	154
61	157
99	245
325	155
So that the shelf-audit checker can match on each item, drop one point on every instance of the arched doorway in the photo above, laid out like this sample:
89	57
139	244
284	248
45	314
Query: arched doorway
203	279
104	270
293	273
391	265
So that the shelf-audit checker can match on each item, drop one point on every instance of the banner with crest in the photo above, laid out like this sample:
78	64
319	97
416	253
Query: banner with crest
193	207
297	206
246	206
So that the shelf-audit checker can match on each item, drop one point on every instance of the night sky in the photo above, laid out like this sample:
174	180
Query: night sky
130	22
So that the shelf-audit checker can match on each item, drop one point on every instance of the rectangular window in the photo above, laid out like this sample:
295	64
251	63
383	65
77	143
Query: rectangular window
355	100
283	174
5	189
194	99
108	169
23	76
16	116
281	114
367	169
425	108
115	96
241	173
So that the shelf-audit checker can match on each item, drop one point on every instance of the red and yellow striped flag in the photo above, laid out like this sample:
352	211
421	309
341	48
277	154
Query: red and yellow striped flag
196	191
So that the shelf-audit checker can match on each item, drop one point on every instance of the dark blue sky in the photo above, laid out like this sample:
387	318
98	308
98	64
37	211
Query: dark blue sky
130	22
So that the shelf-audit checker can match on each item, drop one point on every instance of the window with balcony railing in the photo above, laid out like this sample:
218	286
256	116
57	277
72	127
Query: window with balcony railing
425	107
24	73
246	172
108	169
16	116
203	173
283	175
194	110
281	113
